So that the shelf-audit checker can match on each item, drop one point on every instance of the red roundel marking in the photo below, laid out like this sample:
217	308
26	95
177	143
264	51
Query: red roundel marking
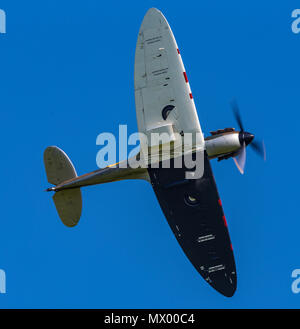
178	51
224	220
220	202
185	77
191	96
231	247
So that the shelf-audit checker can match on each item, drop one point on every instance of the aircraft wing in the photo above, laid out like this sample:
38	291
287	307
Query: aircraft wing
194	212
164	101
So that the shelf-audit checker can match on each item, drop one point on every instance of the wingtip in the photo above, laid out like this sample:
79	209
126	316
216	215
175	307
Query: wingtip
225	283
152	19
225	290
153	10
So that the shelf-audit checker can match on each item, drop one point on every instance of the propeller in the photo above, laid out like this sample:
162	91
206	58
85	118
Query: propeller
240	159
245	139
237	114
259	148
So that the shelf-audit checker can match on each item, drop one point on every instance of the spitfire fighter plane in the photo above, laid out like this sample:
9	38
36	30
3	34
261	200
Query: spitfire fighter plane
192	207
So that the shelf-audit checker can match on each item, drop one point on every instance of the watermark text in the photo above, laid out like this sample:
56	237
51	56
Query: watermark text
152	150
296	283
2	282
2	21
296	22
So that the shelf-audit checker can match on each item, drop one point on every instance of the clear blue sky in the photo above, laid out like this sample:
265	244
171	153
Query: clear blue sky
67	75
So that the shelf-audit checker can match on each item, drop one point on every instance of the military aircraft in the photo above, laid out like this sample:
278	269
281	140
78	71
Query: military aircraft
192	207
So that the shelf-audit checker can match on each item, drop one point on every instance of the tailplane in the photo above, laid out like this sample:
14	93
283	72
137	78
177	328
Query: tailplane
59	168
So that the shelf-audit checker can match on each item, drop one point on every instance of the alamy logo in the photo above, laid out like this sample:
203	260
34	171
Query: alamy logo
296	22
296	282
2	21
2	282
154	148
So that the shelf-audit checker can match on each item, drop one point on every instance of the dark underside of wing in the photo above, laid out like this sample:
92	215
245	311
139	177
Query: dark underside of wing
195	214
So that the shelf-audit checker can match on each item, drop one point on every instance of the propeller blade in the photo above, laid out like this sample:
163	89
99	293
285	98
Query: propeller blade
240	159
237	114
259	148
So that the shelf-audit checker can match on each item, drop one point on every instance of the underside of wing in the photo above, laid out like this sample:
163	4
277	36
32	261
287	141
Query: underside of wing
164	102
194	212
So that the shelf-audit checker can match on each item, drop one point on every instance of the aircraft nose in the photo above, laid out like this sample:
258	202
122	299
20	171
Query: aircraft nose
247	138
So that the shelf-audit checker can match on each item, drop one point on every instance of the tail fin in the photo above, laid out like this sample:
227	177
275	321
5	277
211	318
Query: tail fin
59	168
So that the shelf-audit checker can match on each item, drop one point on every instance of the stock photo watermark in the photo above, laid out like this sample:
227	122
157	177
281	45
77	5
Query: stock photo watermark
2	282
153	150
296	22
2	21
296	283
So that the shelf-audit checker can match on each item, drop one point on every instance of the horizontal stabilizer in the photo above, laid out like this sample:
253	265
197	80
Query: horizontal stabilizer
68	204
58	166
